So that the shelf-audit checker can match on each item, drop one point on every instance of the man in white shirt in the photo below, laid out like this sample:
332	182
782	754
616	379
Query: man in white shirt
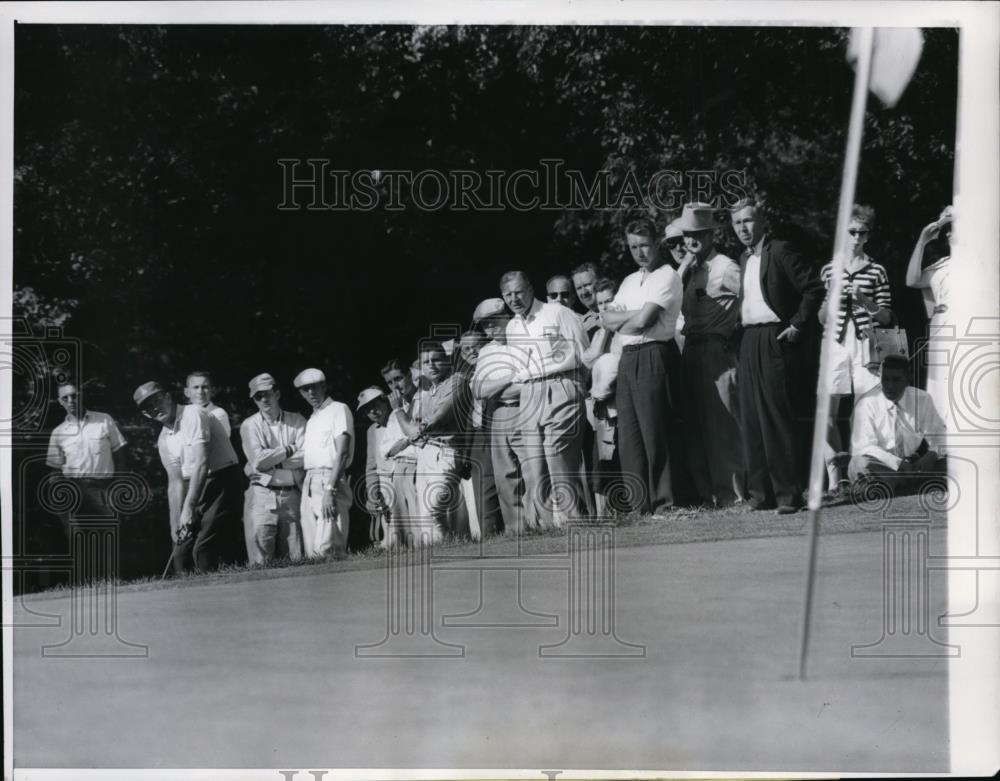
198	389
87	448
584	277
327	453
204	484
493	385
272	440
404	509
780	293
648	303
379	493
897	437
710	315
547	342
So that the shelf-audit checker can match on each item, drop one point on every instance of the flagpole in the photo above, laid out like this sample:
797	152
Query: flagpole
848	184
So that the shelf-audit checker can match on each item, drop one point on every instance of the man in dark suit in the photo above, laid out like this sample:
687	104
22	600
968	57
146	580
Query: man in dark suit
779	297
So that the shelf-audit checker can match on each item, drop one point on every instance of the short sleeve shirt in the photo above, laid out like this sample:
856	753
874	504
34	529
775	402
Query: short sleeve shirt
193	427
540	340
661	287
711	290
83	448
322	429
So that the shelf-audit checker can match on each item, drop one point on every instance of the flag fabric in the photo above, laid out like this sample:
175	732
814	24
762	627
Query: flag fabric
895	54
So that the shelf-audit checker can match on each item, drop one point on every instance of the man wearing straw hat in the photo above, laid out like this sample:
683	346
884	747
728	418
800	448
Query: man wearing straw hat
711	284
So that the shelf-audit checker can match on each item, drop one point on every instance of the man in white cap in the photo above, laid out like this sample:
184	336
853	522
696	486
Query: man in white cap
379	493
673	241
328	450
204	479
710	314
492	384
547	342
273	439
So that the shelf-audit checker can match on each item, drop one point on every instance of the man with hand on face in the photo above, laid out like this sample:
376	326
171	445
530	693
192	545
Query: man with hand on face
327	452
434	426
204	480
547	342
780	292
272	441
645	320
584	277
399	379
710	315
379	494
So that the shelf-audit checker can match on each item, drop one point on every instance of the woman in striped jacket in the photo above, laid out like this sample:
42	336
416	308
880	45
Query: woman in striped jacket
865	303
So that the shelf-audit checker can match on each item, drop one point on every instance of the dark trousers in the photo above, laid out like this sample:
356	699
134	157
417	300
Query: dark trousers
647	399
93	493
483	483
766	381
217	510
711	414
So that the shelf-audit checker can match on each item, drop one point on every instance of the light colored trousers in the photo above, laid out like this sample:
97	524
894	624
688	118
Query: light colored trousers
549	448
322	536
271	524
440	503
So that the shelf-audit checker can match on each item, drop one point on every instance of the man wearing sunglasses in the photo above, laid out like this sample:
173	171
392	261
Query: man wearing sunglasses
272	440
87	448
204	483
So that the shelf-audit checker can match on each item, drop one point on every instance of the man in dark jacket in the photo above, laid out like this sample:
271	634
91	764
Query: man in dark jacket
779	296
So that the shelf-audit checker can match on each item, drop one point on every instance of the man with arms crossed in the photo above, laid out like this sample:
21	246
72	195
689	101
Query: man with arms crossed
646	395
272	441
547	342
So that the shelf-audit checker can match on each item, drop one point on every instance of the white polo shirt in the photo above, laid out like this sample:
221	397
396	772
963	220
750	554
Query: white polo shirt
661	287
548	340
322	429
83	448
193	426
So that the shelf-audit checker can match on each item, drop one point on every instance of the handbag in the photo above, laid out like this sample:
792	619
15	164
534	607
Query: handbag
884	342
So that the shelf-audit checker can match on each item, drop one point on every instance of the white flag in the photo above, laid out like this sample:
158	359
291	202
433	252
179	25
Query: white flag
895	53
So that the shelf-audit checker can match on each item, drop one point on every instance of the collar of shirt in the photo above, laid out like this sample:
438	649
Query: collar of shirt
533	312
178	414
71	418
275	420
326	403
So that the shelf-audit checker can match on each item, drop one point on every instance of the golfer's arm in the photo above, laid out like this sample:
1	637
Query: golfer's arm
199	471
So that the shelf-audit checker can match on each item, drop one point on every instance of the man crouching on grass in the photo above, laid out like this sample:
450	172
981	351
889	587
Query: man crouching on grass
204	485
898	437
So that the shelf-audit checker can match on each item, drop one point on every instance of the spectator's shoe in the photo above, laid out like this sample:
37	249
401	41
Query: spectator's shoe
760	504
789	509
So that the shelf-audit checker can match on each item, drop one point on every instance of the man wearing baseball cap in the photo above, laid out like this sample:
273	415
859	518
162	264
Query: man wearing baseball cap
204	484
328	450
709	316
272	441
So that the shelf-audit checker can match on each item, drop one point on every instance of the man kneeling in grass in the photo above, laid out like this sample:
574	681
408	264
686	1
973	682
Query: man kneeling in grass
898	437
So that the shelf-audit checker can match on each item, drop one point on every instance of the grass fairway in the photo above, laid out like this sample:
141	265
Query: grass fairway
261	668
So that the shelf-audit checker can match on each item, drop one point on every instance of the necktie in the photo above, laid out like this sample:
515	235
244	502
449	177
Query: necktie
899	429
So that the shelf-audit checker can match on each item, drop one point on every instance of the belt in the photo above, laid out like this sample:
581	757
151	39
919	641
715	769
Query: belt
277	487
571	374
764	325
410	461
631	348
87	479
508	403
